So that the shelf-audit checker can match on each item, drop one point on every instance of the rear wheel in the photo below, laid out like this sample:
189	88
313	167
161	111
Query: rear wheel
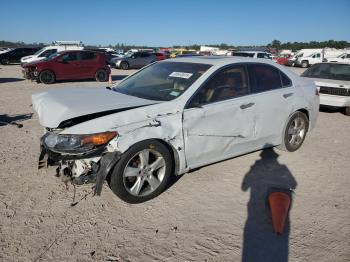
124	65
142	173
295	132
5	61
101	75
47	77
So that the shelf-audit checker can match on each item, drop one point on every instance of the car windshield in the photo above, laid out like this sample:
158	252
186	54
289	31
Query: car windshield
162	81
39	51
329	71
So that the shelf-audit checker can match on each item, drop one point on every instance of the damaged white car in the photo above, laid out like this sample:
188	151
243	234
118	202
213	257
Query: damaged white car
171	117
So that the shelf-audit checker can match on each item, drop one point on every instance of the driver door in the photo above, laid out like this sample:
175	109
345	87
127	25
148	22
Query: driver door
219	119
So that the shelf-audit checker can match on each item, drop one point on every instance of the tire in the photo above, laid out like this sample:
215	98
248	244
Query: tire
304	64
347	111
137	178
47	77
5	61
101	75
124	65
295	132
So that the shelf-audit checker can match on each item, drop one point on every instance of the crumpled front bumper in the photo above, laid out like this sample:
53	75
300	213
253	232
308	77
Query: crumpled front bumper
100	171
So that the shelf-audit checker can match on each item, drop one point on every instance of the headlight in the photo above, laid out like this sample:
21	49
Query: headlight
77	143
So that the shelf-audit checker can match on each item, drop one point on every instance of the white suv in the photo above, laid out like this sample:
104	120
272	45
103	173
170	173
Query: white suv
253	54
57	46
343	58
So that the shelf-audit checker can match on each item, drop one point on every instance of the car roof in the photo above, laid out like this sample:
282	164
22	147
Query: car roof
71	51
220	60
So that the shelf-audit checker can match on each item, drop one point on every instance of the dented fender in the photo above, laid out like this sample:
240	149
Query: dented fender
164	127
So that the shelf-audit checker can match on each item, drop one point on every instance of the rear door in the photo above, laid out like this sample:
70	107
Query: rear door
274	96
219	119
135	60
88	61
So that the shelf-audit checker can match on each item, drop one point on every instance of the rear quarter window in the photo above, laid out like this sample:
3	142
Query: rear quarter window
87	56
266	77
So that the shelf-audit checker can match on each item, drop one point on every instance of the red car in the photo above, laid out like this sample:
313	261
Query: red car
69	65
161	56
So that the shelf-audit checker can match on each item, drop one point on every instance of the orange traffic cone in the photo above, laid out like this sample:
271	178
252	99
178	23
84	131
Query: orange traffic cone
279	202
110	78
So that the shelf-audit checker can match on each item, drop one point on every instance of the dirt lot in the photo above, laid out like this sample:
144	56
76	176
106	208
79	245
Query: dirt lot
216	213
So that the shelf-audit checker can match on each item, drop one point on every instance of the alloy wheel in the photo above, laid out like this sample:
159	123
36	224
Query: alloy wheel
296	131
144	172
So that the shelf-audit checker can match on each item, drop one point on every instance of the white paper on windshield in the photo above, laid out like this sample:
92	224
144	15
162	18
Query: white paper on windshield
181	75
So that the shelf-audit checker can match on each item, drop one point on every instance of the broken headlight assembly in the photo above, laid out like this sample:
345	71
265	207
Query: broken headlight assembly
76	143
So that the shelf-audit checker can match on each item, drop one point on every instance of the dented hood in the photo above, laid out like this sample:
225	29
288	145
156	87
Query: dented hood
57	105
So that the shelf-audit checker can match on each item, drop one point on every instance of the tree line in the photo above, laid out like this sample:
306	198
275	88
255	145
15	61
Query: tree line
274	44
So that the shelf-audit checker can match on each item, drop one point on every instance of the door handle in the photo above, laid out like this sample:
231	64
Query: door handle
244	106
287	95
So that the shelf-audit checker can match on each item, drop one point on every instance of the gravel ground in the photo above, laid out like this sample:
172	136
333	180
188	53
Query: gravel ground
216	213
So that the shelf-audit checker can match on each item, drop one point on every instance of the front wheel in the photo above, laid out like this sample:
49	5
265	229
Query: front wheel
101	75
47	77
347	111
295	132
124	65
143	172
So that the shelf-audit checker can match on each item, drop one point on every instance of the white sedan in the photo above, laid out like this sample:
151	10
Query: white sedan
333	81
170	117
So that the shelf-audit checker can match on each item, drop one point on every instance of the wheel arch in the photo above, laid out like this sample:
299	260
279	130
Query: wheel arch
173	153
306	112
49	70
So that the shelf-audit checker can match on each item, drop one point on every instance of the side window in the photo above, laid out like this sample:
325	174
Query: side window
87	56
286	82
318	55
69	57
264	78
261	55
136	55
348	56
228	83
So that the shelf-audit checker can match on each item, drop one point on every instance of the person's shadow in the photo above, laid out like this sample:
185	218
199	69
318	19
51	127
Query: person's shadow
260	243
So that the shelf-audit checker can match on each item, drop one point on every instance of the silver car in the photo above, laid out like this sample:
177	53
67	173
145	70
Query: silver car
133	60
171	117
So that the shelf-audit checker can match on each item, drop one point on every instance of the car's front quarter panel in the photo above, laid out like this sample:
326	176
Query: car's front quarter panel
160	121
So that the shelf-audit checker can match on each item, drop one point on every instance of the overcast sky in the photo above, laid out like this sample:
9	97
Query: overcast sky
167	23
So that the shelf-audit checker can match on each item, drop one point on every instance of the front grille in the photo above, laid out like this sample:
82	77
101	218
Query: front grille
334	91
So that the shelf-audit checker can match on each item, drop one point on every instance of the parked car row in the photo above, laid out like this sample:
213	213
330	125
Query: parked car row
46	51
15	55
308	57
68	65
